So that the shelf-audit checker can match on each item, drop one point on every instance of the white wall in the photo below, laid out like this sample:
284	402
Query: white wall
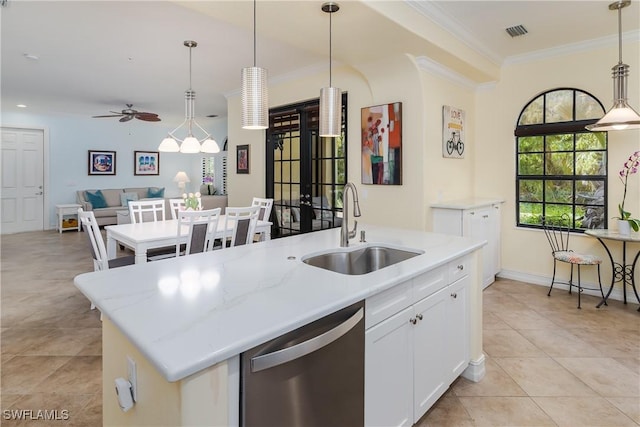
526	251
70	138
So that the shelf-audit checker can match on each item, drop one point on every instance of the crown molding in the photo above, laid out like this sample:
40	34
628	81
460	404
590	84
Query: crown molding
433	67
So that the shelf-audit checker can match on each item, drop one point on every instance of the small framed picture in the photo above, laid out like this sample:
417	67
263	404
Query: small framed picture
102	162
146	163
242	165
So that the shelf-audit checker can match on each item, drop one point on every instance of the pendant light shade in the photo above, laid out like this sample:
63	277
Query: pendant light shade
621	116
330	97
190	144
255	99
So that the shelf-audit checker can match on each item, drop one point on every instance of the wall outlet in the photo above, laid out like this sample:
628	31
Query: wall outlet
133	377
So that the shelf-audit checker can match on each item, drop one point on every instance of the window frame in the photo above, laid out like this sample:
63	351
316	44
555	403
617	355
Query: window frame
546	130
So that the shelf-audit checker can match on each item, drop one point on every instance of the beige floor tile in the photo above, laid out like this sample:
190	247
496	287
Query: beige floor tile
559	342
90	414
583	412
630	406
505	411
64	406
605	375
543	377
94	347
525	319
448	413
632	363
17	340
64	342
611	342
492	321
81	374
21	374
509	343
496	382
6	400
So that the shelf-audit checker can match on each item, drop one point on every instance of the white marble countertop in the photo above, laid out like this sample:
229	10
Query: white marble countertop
468	203
186	314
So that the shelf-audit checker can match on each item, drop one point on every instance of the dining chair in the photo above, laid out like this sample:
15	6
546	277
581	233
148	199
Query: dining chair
200	228
146	210
240	225
177	205
265	211
557	231
101	260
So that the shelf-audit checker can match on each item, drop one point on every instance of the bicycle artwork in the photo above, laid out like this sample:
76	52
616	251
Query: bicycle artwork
452	132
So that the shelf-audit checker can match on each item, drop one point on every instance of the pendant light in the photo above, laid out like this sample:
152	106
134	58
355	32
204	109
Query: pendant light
255	99
330	97
190	144
621	116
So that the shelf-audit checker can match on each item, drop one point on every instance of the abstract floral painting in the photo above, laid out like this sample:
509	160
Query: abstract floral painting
381	129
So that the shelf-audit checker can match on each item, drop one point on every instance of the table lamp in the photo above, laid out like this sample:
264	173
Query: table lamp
181	178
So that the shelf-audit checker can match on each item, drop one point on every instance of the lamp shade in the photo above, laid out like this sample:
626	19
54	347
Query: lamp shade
210	146
181	177
255	98
620	117
330	112
169	145
190	145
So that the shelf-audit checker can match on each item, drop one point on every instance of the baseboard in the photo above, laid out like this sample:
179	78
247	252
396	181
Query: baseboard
616	293
476	370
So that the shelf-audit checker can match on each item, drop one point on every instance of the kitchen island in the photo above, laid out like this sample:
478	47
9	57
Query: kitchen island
184	321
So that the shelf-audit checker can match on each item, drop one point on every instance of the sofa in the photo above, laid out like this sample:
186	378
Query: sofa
286	219
117	199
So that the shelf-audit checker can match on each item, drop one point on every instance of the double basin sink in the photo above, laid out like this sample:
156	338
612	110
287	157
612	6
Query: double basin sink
362	260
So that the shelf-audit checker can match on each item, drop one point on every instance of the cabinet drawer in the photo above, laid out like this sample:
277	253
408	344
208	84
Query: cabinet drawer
429	282
387	303
459	268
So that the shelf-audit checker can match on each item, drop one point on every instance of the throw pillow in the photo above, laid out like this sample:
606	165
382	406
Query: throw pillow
286	216
125	198
295	212
155	193
96	199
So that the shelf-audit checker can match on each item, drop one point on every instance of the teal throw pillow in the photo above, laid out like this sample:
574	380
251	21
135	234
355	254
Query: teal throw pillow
96	199
125	198
155	193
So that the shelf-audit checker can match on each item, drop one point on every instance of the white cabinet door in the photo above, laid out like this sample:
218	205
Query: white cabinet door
429	351
457	328
480	227
388	372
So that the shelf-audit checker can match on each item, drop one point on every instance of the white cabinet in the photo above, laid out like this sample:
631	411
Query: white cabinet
473	218
417	351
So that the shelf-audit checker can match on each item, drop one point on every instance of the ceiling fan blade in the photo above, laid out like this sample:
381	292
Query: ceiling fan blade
148	118
125	119
110	115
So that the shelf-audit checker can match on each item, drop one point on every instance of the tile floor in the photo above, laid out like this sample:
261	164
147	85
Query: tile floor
548	364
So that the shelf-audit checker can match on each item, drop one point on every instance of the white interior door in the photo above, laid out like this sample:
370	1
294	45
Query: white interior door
22	198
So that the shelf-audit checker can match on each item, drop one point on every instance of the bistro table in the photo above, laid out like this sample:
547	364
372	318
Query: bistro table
143	236
621	271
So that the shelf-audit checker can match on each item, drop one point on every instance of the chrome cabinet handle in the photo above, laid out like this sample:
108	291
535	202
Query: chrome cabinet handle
413	321
454	295
460	267
278	357
419	316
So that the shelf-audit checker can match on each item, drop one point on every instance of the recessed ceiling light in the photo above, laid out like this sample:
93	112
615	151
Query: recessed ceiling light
31	56
21	106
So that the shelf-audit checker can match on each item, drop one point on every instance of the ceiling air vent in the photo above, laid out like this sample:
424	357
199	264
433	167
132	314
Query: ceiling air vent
516	31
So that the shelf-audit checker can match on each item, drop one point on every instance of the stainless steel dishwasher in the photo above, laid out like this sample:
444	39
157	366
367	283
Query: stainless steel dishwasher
312	376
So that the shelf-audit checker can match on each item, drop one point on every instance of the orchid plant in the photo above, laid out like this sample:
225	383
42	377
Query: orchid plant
191	201
630	167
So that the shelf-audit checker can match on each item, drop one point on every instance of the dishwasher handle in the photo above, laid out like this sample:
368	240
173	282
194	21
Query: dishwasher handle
269	360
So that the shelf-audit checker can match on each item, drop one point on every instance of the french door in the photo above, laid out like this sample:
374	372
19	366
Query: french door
305	173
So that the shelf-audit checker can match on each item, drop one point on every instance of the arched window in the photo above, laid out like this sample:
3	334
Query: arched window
560	166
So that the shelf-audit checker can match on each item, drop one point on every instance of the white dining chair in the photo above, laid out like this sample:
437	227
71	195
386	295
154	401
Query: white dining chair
240	225
200	228
177	205
146	210
265	207
101	260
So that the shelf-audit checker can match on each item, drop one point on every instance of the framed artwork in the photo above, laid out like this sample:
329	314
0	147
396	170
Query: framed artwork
102	162
381	130
242	159
453	137
146	163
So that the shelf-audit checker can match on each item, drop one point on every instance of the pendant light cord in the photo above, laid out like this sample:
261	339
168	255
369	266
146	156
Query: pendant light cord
190	47
620	35
254	33
330	51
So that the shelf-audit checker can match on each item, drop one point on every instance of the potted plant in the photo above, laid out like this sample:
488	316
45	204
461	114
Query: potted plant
191	202
625	222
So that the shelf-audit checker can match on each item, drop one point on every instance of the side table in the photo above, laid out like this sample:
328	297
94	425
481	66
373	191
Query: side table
68	217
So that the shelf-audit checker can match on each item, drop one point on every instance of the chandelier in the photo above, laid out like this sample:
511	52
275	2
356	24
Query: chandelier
190	144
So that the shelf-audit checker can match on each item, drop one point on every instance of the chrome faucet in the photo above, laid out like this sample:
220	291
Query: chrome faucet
345	234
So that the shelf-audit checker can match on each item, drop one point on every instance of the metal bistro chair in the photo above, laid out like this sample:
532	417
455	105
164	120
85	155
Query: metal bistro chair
202	228
557	231
98	250
240	225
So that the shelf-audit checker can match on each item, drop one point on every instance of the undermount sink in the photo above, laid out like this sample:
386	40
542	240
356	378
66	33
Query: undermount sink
360	261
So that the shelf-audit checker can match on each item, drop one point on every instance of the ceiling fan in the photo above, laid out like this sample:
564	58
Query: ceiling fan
129	114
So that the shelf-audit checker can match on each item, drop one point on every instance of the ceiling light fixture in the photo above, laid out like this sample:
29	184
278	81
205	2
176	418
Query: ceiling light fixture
21	106
255	99
621	116
190	144
330	97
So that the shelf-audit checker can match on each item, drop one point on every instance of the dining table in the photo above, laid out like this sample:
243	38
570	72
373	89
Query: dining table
143	236
622	271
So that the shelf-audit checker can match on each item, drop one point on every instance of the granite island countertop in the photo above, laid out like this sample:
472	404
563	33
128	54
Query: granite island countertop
187	314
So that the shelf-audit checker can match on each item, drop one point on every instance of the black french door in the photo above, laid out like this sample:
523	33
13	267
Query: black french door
305	173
